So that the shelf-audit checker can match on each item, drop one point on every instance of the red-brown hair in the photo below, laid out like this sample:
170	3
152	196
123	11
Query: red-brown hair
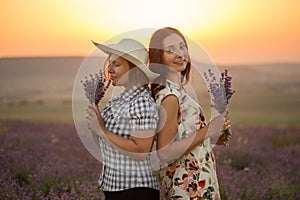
156	51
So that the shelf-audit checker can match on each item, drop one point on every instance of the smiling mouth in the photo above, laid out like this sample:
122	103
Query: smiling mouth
180	62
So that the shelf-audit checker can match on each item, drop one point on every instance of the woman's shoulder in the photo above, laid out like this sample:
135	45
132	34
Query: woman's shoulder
142	104
167	91
144	96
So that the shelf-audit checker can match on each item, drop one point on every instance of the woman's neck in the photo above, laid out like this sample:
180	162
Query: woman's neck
175	77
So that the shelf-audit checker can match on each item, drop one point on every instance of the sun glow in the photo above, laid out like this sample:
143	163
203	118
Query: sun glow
116	16
230	30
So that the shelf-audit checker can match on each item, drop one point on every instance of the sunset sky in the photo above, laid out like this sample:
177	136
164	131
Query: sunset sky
231	31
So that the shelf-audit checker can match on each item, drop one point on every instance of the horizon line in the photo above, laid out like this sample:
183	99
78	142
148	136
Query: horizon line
78	56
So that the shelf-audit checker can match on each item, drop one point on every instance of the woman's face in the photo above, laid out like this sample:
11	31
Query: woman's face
175	53
118	70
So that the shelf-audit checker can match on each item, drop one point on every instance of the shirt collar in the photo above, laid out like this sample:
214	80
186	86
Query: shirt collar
131	93
172	85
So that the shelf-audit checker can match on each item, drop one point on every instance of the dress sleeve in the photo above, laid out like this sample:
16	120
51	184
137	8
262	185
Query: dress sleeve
164	93
143	114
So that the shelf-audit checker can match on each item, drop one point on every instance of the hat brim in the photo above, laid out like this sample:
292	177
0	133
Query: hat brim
109	49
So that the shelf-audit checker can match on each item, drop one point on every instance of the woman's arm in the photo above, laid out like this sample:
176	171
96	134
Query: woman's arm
168	149
137	146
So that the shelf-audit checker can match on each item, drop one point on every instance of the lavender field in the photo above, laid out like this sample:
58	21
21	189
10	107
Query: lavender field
42	157
45	161
260	163
48	161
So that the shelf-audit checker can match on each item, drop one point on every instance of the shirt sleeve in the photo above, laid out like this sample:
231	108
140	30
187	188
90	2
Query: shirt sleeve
143	114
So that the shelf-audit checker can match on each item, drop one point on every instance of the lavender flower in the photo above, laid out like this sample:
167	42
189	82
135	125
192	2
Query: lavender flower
221	91
31	167
226	79
95	87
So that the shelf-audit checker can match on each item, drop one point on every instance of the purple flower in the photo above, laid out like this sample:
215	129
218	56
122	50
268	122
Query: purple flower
221	91
226	80
95	87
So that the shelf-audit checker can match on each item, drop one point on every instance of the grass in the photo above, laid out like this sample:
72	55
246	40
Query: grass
282	139
32	111
264	109
40	89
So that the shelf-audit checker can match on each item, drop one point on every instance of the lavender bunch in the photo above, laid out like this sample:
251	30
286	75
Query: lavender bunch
221	91
95	87
217	89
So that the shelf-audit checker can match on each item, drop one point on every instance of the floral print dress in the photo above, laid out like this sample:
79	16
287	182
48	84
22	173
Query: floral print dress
192	176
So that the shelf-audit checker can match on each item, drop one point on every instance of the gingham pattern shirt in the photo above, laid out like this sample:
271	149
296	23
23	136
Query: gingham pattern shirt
132	110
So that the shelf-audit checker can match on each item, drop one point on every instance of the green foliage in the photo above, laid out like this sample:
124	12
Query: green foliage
284	139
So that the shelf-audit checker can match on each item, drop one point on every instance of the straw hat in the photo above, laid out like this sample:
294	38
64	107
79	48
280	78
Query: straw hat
131	50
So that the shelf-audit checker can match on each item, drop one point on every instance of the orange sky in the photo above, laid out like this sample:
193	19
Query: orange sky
231	31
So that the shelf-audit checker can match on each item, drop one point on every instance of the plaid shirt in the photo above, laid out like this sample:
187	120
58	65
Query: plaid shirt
130	111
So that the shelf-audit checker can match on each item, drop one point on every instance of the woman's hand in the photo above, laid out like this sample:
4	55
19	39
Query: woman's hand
95	121
224	139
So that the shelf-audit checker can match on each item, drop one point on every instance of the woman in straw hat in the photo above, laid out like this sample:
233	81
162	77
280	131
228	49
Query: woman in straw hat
127	124
188	165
